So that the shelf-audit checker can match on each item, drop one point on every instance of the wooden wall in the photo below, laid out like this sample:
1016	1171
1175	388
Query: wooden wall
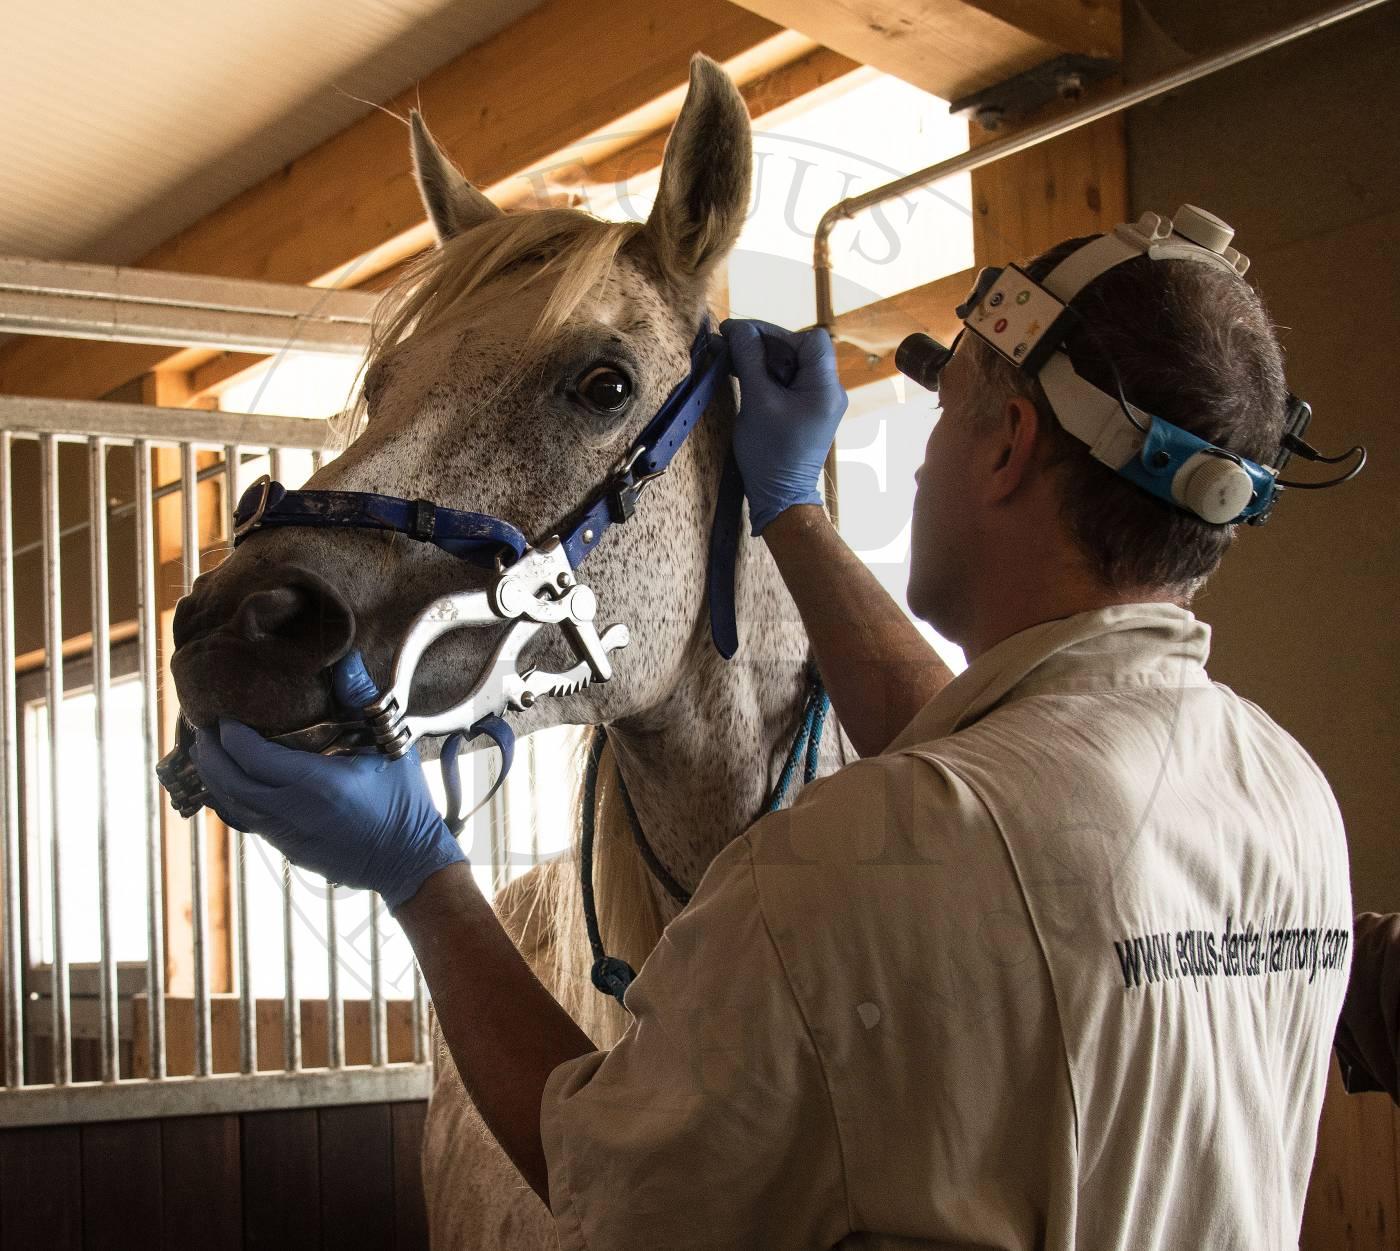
1354	1196
342	1178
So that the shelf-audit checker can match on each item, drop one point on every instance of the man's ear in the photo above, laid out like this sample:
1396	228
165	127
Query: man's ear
704	191
1016	445
452	203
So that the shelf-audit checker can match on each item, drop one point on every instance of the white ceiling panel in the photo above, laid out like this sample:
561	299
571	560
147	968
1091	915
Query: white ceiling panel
123	121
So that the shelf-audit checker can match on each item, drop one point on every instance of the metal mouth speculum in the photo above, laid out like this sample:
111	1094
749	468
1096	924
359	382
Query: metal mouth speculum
539	589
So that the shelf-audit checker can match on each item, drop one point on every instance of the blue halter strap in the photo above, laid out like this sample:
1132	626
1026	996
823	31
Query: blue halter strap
487	541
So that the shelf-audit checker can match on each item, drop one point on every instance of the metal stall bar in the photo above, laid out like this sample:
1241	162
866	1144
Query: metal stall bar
119	304
150	737
378	1023
998	149
421	1029
102	690
9	777
498	822
291	1007
335	1004
117	512
199	903
238	845
53	671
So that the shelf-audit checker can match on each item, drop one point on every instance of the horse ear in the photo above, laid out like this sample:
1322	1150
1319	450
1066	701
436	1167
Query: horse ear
453	204
704	192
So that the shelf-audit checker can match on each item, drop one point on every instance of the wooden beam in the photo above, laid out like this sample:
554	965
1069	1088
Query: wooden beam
952	47
1093	27
815	76
349	207
868	336
1074	185
78	645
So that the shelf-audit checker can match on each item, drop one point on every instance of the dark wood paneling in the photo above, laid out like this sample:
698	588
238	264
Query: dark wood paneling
281	1180
357	1178
410	1216
341	1178
41	1189
122	1185
202	1183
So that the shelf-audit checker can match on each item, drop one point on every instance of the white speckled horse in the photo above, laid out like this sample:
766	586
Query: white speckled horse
493	384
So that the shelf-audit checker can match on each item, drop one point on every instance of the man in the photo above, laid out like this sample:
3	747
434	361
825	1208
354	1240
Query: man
1368	1035
1057	965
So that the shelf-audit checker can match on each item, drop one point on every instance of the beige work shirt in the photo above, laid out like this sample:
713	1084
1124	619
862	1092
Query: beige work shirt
1060	969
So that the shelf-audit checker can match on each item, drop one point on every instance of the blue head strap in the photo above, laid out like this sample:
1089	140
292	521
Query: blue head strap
1026	321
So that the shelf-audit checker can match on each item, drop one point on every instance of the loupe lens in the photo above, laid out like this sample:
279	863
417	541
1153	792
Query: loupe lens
922	359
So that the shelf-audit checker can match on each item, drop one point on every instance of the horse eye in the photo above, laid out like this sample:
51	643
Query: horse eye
605	388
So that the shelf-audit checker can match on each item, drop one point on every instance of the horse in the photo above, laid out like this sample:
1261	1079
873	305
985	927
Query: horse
510	367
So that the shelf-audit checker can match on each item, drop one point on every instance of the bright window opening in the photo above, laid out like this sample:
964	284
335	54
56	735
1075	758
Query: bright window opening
78	819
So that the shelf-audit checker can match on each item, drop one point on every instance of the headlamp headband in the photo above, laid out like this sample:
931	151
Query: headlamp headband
1026	321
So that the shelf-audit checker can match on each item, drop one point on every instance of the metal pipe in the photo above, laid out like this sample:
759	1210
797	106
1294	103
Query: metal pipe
238	848
53	671
378	1024
150	737
9	779
105	302
199	903
102	691
335	1005
999	149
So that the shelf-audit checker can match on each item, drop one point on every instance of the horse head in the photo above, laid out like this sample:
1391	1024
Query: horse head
511	368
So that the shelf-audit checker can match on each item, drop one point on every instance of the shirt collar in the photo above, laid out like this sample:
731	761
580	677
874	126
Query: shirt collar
1109	648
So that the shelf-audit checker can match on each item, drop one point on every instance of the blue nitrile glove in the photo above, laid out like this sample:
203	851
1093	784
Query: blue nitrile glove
364	821
790	403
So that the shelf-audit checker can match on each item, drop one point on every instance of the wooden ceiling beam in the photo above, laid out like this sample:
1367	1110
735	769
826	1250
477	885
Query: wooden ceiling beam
952	48
587	75
808	78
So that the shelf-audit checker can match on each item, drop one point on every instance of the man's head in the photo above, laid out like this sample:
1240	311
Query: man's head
1013	515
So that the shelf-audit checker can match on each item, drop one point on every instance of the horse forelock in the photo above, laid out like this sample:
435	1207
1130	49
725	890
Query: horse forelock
567	254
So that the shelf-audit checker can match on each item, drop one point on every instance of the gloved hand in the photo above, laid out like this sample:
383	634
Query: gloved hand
786	422
364	821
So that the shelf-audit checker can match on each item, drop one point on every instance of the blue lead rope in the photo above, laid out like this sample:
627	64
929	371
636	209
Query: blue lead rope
611	974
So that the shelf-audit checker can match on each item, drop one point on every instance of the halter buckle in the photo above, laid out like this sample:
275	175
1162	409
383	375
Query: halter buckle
624	489
245	522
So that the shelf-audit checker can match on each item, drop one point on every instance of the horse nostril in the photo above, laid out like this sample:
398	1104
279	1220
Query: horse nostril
266	614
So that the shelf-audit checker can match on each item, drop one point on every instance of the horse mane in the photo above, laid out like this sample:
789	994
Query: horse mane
542	910
572	253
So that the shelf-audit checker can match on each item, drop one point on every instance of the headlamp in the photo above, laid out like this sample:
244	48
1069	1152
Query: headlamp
1026	322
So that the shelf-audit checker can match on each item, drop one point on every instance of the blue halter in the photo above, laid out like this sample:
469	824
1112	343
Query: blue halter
490	542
